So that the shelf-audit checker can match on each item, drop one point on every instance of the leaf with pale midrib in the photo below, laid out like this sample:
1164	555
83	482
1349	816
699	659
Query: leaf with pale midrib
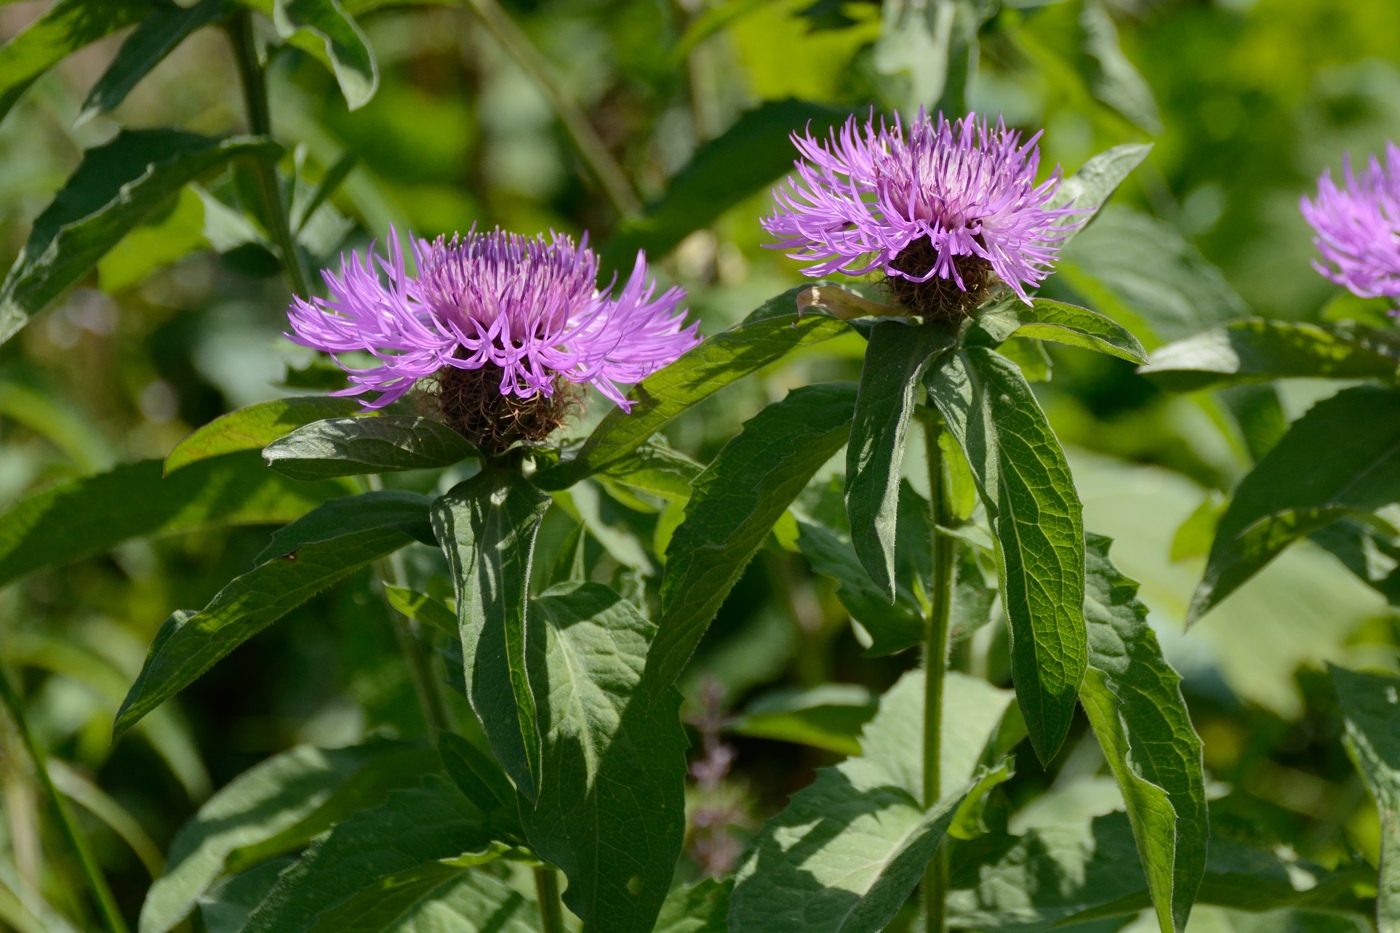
1088	189
1074	326
254	427
354	445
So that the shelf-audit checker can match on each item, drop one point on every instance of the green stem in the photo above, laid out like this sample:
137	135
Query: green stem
240	29
935	667
547	891
106	903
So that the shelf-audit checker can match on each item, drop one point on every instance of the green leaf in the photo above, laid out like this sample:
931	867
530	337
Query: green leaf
1134	703
256	426
327	545
70	521
487	527
1038	523
829	716
768	334
158	242
1348	450
422	608
752	154
895	362
1115	81
1259	350
325	30
657	469
349	446
735	503
479	778
115	188
611	805
1089	189
383	508
63	28
157	35
852	845
1077	327
303	209
1371	709
275	807
695	908
227	905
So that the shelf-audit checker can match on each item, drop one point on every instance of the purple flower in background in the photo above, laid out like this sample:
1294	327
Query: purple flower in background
1358	227
500	324
941	203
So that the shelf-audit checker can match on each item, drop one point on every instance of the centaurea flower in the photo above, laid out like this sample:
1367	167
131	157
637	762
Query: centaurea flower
1358	227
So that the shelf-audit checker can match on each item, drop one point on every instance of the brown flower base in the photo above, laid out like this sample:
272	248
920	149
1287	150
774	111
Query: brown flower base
470	402
940	298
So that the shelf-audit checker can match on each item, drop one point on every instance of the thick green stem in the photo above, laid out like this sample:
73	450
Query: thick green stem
935	666
102	894
275	210
551	908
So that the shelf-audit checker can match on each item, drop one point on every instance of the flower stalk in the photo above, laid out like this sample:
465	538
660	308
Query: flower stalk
936	664
547	892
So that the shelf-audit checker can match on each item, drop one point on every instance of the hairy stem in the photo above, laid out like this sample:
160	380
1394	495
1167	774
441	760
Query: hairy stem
250	70
935	666
551	908
102	894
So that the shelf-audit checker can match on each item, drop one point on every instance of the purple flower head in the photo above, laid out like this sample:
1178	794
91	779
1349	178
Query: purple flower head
1358	227
941	201
527	308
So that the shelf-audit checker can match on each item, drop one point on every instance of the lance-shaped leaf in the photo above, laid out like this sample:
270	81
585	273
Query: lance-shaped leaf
1071	325
348	446
379	864
695	908
256	426
768	334
487	527
73	520
852	845
1038	523
276	807
829	716
611	805
1371	709
1089	189
325	30
321	548
735	503
1133	700
480	780
1258	350
117	186
895	362
382	508
1114	79
1341	458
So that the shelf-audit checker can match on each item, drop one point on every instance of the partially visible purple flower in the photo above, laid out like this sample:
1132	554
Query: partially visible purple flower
1358	227
943	200
526	306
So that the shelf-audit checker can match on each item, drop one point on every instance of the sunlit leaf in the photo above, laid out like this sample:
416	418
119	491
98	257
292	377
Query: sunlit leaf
326	30
353	445
1116	82
695	908
1074	326
1089	189
256	426
830	717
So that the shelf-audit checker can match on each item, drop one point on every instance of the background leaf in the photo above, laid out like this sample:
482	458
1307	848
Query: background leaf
349	446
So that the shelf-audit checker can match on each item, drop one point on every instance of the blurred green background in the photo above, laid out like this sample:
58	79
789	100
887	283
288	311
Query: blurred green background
1245	100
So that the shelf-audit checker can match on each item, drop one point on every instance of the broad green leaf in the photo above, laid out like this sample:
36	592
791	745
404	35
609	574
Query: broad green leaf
155	37
326	30
1089	189
895	362
611	805
695	908
1341	458
63	28
487	527
1077	327
73	520
829	716
769	333
1258	350
327	545
254	427
378	864
157	242
383	508
226	906
422	608
348	446
1257	411
735	503
293	797
1371	709
657	469
1115	81
1037	519
115	188
479	778
752	154
1134	703
852	845
1367	549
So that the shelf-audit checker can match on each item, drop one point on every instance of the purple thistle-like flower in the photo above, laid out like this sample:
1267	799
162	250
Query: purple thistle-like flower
1358	227
527	307
940	201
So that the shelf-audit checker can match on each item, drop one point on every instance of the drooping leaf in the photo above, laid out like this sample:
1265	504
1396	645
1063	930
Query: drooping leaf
115	188
327	546
611	805
70	521
829	716
1258	413
348	446
769	333
1115	80
852	845
890	382
326	30
274	807
256	426
1341	458
1035	513
487	527
1074	326
735	503
1089	189
1258	350
1371	709
1134	703
695	908
1367	549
